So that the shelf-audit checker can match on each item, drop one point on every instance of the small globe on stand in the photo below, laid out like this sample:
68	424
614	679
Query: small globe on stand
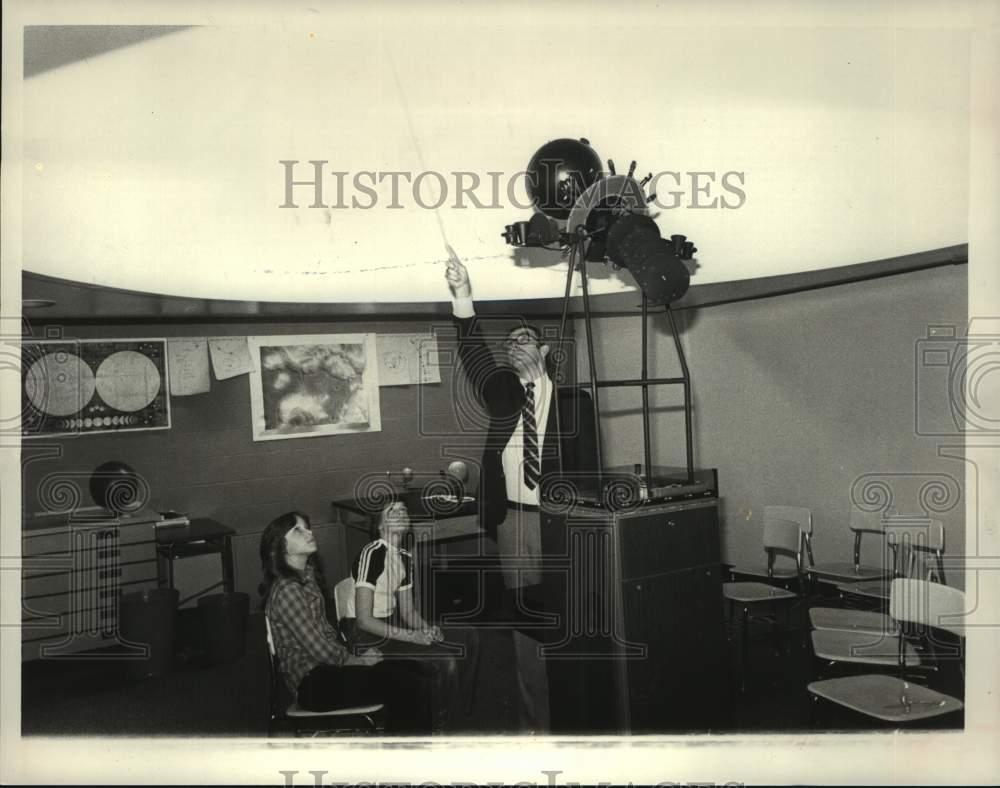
459	470
457	476
117	487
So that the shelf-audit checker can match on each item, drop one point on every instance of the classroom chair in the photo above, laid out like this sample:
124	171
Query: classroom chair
923	610
289	717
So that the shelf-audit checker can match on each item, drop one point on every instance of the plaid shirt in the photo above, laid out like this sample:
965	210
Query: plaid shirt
303	637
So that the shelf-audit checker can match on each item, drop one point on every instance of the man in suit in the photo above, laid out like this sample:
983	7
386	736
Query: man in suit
522	453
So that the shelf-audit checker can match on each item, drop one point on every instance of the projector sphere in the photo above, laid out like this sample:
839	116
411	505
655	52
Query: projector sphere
559	172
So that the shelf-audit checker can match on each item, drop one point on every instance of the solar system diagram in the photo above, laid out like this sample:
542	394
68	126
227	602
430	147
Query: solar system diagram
83	387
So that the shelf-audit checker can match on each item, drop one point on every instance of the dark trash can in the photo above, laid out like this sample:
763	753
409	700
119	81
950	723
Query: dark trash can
224	618
149	618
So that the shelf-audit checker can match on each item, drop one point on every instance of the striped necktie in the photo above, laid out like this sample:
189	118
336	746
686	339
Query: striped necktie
531	467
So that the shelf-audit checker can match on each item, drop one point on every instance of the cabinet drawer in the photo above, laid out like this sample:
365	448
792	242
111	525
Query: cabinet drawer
66	538
87	560
57	604
673	607
668	541
90	558
92	578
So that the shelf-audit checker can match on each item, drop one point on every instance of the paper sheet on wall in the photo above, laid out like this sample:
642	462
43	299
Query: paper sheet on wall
187	361
405	359
429	369
230	357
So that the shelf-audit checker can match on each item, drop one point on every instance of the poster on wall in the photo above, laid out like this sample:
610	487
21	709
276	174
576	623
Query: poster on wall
83	387
309	386
406	359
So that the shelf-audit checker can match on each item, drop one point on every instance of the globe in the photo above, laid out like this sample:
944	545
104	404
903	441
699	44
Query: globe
459	471
118	488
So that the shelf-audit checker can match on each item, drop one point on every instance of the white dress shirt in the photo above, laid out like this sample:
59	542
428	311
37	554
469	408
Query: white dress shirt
513	453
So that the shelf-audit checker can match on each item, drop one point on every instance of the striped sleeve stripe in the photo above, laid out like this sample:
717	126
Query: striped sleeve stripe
364	561
369	554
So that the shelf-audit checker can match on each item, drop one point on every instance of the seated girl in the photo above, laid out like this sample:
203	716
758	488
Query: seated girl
382	614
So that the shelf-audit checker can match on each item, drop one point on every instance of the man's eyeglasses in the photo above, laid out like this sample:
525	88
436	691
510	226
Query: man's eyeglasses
517	339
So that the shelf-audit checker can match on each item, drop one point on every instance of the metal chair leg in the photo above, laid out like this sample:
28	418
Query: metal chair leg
775	635
815	713
746	649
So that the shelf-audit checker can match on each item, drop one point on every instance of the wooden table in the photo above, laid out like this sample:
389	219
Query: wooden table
202	536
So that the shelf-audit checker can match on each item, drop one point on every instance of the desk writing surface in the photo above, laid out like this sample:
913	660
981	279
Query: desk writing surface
198	529
92	516
420	507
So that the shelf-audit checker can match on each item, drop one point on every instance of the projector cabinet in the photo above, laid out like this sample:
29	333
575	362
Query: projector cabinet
637	644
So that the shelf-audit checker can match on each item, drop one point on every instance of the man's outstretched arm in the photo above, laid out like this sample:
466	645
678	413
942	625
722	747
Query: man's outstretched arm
476	357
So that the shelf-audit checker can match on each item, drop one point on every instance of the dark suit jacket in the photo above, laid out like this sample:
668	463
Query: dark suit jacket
501	393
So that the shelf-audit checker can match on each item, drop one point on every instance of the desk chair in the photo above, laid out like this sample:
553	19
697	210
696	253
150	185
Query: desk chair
907	541
891	645
785	531
342	594
748	595
851	620
303	723
921	608
861	523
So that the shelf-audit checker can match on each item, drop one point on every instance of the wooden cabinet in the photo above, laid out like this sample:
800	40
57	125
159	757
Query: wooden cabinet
73	571
680	683
640	646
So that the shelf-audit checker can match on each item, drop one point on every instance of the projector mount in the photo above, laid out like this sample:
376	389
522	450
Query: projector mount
607	220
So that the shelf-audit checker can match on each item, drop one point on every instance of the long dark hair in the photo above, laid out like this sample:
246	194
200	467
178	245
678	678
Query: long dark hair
274	560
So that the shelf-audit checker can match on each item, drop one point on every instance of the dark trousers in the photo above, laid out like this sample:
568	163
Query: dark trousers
447	670
521	548
555	589
399	686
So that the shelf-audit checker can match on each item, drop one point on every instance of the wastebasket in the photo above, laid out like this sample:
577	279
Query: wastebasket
149	618
224	618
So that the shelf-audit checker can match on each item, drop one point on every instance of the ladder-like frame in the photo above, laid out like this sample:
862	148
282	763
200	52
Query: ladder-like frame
577	261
